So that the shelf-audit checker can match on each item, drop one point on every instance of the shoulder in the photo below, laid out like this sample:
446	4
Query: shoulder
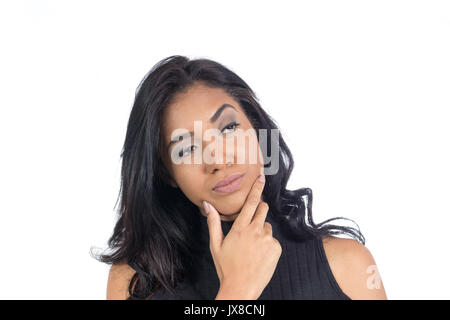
354	268
119	278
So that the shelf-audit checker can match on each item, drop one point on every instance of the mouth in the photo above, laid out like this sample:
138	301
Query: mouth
230	184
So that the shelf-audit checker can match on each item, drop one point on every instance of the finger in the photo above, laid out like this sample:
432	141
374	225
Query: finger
251	203
215	229
260	215
268	228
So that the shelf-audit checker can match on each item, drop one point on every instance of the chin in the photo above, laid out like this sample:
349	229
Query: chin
230	206
229	211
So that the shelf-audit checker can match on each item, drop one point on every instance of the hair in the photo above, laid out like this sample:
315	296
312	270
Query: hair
155	230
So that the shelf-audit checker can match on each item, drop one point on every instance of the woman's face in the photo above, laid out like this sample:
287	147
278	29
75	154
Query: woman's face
197	179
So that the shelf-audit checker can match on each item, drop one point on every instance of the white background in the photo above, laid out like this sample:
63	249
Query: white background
360	89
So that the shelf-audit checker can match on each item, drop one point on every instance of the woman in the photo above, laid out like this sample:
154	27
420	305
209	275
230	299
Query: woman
192	226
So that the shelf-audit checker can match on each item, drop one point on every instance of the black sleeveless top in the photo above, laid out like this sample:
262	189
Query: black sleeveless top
302	272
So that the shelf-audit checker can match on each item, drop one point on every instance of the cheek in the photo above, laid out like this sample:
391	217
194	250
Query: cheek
189	181
248	150
255	156
253	172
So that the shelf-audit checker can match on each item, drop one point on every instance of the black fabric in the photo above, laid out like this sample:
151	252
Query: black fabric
302	273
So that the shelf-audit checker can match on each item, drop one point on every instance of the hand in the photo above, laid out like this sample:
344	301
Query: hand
246	258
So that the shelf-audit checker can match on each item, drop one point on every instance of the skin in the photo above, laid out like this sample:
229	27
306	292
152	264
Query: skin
354	269
351	263
196	181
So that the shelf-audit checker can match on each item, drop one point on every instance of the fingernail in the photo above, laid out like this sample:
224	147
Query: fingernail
261	178
206	206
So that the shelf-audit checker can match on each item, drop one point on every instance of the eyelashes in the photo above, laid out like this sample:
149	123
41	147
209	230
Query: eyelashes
234	123
184	151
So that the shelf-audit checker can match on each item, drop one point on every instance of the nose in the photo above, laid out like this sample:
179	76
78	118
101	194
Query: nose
212	168
218	163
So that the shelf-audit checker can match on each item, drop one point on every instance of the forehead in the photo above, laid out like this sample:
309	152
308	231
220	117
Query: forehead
198	103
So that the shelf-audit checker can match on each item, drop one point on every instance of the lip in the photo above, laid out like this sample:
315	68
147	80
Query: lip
229	184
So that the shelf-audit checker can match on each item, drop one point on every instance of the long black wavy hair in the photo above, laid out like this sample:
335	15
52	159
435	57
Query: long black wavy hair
156	226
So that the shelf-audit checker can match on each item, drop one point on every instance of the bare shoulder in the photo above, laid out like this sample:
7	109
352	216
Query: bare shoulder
119	278
354	268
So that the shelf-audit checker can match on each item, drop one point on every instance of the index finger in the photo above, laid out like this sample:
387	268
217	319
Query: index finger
252	202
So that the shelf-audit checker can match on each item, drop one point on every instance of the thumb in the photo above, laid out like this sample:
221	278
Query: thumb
214	226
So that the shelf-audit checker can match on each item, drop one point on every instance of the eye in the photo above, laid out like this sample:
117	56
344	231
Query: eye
232	124
182	151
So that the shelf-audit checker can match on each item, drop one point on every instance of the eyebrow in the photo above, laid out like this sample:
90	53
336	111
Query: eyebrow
215	116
